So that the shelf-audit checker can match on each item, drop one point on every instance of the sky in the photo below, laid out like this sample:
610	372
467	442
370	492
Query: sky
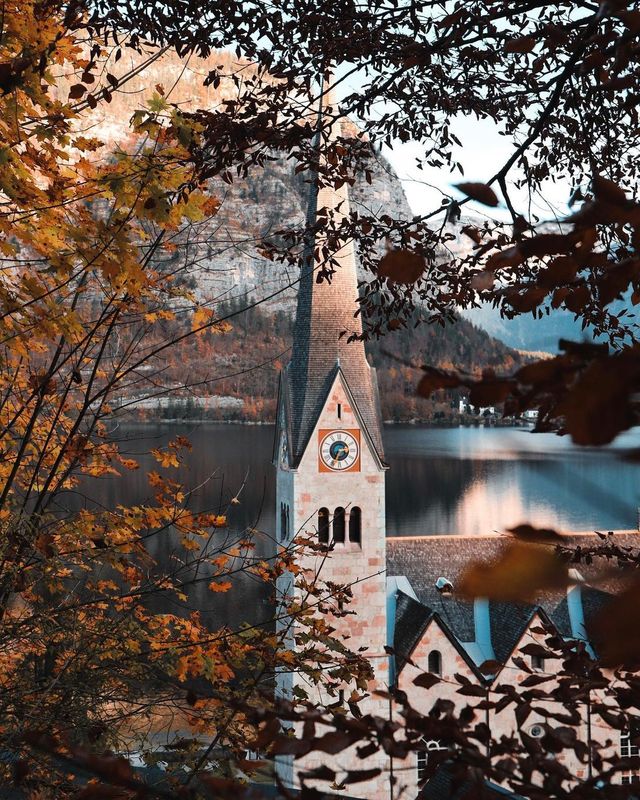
482	154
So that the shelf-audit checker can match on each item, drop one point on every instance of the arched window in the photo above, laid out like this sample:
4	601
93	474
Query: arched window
434	662
355	525
338	525
323	526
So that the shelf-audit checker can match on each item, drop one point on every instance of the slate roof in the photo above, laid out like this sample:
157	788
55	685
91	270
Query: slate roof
508	622
422	560
324	311
412	619
593	601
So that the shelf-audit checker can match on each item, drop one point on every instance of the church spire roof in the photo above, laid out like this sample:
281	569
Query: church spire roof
324	311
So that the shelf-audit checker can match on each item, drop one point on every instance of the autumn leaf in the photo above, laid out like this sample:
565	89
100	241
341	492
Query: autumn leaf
522	44
401	266
434	379
615	631
220	586
479	191
519	574
426	680
166	458
76	91
527	533
609	191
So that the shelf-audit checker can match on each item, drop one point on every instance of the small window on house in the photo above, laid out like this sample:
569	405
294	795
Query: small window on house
338	525
339	410
629	778
288	524
434	662
421	764
537	662
422	757
323	526
355	525
630	742
283	522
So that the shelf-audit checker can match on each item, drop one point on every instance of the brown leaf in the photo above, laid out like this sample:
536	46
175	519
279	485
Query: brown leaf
434	379
547	370
321	773
577	299
523	44
426	680
528	533
222	788
609	191
510	257
76	91
333	742
526	301
359	775
615	632
490	391
472	233
479	191
490	667
401	266
535	649
561	270
517	575
100	791
290	746
546	244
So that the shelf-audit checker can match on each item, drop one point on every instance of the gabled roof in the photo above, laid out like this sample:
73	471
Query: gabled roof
508	622
412	620
422	560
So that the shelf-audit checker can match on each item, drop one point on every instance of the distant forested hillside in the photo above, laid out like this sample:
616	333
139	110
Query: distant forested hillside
240	368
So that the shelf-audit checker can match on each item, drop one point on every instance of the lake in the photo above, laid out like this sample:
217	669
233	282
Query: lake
440	481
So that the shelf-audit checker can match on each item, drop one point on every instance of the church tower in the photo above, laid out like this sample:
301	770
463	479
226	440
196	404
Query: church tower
330	462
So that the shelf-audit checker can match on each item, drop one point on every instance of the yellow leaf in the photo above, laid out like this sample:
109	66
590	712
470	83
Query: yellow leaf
222	586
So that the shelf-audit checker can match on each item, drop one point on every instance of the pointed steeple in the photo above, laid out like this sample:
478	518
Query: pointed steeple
324	311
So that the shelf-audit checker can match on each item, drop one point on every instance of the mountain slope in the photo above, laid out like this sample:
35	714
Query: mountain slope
235	375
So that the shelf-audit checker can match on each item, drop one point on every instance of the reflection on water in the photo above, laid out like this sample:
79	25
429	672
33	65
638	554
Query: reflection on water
477	480
441	480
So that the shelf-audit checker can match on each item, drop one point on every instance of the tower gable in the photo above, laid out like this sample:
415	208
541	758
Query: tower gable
338	409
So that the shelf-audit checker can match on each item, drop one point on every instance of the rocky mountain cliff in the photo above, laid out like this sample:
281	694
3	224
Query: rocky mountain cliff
237	372
222	257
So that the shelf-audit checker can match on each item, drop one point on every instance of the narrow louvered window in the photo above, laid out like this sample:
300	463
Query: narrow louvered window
323	526
338	525
355	525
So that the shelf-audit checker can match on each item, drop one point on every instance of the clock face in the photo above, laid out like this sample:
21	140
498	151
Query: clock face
339	450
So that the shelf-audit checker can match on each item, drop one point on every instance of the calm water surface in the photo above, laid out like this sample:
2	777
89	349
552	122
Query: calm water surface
453	481
441	480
